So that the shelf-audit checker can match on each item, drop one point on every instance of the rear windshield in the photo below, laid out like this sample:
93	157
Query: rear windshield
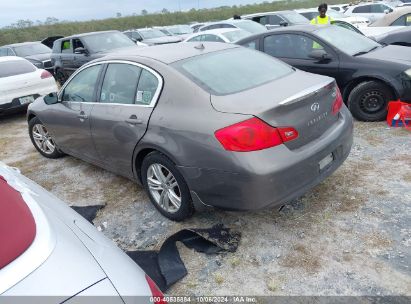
31	49
15	67
233	70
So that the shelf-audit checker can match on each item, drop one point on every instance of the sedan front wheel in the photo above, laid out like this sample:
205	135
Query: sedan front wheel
42	140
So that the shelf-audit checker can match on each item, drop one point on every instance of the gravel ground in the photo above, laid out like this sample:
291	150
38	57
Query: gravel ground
351	235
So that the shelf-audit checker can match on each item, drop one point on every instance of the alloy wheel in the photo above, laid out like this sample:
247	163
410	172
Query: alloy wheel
43	139
164	188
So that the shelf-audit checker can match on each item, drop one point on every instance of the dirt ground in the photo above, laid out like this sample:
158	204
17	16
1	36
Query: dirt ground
351	235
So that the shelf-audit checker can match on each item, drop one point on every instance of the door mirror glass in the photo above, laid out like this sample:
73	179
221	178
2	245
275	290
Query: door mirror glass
51	98
319	54
80	50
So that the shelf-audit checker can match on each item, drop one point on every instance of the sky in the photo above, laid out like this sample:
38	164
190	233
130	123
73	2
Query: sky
79	10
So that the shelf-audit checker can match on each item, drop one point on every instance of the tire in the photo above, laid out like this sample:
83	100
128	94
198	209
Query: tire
60	76
175	202
368	101
41	139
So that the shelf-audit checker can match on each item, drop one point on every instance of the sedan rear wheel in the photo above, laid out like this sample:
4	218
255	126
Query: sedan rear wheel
42	140
166	187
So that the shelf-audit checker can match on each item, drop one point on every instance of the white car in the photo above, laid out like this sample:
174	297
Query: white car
228	35
371	10
21	83
357	21
49	250
339	7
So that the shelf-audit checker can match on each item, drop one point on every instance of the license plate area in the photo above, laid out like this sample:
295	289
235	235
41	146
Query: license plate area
26	99
326	161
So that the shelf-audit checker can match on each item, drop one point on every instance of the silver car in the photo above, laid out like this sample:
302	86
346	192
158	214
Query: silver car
50	251
199	124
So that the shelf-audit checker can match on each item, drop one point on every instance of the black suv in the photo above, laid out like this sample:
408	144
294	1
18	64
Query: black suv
70	53
35	52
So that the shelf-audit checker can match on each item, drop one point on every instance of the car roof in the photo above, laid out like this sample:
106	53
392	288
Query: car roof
11	58
217	31
308	28
169	53
86	34
21	44
391	17
268	13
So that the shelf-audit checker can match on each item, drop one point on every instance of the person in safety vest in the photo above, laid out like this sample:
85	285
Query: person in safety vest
322	19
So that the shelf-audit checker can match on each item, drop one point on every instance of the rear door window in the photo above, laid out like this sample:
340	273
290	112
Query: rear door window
148	88
66	46
362	9
3	52
120	83
275	20
15	67
290	46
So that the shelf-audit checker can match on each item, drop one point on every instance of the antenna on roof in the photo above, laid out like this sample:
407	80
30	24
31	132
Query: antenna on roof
200	46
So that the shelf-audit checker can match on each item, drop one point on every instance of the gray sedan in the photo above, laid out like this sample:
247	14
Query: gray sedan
199	124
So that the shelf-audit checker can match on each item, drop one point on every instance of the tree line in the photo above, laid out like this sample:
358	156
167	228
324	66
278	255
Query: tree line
27	30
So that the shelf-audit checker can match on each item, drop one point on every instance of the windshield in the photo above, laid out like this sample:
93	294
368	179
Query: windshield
250	26
293	17
235	35
15	67
151	33
107	41
31	49
180	29
346	41
233	70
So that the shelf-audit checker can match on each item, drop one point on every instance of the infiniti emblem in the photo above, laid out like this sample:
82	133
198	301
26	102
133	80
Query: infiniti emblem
315	107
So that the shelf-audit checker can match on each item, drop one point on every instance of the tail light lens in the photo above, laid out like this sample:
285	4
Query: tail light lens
157	295
252	135
338	102
45	74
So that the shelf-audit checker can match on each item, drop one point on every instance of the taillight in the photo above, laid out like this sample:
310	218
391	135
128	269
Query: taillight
252	135
45	74
157	295
338	102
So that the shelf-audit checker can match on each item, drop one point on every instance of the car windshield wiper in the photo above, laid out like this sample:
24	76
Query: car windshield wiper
365	52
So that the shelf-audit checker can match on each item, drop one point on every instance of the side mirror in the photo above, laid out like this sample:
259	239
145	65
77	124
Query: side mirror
80	50
51	98
134	40
386	11
283	23
320	55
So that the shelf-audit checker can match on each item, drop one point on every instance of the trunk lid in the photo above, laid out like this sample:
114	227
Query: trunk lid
13	84
300	100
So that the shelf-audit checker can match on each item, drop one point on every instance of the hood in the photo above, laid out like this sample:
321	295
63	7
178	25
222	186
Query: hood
162	40
39	57
392	53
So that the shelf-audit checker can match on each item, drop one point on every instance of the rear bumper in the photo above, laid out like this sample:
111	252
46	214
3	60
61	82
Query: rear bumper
272	176
14	105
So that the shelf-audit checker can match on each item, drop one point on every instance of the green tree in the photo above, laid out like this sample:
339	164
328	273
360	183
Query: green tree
144	12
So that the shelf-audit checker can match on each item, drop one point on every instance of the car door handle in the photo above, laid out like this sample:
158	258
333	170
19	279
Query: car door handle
82	116
133	120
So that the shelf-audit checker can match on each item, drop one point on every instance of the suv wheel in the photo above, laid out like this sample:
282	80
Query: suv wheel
166	187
